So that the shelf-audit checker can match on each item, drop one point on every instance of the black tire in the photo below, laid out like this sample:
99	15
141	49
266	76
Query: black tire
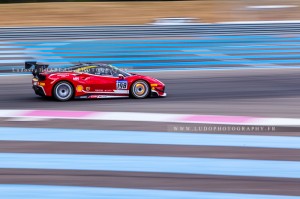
63	91
140	89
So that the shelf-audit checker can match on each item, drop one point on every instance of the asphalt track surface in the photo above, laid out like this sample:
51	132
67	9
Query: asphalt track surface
142	31
259	93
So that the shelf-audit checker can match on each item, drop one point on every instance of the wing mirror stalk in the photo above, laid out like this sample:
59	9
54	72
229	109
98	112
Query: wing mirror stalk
121	76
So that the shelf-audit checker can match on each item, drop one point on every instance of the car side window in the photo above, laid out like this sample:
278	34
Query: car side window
107	71
103	71
92	71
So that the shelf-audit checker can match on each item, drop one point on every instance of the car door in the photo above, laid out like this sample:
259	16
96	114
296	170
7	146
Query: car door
104	83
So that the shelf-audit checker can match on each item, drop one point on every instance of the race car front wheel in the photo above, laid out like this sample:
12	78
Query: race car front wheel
140	89
63	91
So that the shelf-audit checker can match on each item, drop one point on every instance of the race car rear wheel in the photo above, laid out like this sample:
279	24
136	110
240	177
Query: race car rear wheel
63	91
140	89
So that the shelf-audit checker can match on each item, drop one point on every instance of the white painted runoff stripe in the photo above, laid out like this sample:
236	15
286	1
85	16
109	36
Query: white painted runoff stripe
180	165
271	6
12	51
13	74
19	191
259	22
149	117
135	116
137	137
13	56
10	47
16	61
11	113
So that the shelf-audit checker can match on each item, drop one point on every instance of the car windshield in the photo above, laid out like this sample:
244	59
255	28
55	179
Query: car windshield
117	71
100	69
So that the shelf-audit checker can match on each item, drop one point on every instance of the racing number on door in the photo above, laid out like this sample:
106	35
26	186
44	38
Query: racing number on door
121	85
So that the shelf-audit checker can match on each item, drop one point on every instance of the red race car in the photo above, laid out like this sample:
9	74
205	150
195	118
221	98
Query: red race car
92	80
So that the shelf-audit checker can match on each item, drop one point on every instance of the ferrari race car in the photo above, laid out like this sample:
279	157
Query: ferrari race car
92	80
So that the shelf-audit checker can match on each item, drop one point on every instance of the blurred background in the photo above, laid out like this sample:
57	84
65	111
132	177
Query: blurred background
229	127
45	13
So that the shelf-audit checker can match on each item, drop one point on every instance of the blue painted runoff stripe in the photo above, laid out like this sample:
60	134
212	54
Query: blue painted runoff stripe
209	53
243	51
180	45
175	42
19	191
216	68
176	63
219	48
111	59
234	39
142	137
184	51
149	164
276	46
183	68
167	55
262	36
198	69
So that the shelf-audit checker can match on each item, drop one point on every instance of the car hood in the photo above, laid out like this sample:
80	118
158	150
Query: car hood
150	79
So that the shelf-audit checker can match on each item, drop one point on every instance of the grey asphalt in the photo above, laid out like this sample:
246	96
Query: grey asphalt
259	93
150	150
141	31
137	180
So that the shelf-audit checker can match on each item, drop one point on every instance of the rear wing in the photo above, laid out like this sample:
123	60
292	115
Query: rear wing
38	68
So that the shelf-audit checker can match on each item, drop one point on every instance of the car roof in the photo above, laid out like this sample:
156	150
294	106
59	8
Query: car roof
83	66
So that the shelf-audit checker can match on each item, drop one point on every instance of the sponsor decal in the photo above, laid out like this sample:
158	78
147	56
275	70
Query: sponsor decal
93	96
85	69
87	88
79	88
105	91
75	78
121	91
104	96
122	84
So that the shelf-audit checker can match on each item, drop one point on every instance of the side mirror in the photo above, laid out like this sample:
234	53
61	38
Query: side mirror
121	76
